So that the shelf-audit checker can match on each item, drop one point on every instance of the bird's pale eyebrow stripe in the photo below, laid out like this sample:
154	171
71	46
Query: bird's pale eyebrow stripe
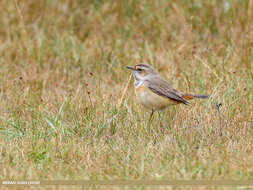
142	65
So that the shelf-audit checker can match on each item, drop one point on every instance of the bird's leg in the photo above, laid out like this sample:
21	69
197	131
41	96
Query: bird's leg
150	118
149	121
159	113
161	117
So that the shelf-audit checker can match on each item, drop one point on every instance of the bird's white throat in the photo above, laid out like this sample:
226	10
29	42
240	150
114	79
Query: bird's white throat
137	80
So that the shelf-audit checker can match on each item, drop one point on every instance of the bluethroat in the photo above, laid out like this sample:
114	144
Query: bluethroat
153	92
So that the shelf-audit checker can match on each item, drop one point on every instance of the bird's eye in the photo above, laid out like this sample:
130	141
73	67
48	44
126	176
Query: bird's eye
139	69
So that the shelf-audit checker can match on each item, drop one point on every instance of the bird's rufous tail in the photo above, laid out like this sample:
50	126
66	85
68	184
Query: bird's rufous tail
192	96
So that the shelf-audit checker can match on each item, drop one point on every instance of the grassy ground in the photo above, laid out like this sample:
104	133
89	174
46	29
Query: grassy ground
67	104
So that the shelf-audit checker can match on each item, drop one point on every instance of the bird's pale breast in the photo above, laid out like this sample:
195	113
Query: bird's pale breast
151	100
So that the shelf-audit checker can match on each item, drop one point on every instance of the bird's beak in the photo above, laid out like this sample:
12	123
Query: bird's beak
131	68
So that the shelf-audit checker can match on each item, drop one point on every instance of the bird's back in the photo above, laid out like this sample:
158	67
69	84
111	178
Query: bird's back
161	87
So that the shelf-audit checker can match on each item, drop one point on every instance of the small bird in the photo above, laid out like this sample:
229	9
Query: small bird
153	92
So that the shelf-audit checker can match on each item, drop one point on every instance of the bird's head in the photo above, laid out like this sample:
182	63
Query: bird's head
141	71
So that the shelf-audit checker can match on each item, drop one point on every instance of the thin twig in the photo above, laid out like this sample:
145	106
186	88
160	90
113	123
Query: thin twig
88	92
207	66
218	105
124	91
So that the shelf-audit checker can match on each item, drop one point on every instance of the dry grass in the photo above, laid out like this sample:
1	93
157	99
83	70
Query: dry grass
67	107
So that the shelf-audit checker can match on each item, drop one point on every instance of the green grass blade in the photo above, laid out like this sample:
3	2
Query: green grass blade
13	125
50	123
59	113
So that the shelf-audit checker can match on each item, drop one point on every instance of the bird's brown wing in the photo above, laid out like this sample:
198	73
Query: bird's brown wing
162	88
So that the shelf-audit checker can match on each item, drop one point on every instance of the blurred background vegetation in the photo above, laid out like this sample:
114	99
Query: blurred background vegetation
67	103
